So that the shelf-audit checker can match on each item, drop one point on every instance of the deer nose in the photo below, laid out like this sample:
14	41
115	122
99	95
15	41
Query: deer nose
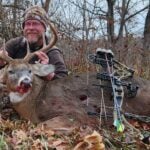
26	82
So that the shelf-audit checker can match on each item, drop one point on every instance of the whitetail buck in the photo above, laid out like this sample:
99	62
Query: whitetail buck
60	101
32	97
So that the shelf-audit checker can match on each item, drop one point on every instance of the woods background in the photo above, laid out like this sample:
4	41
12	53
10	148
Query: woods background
83	26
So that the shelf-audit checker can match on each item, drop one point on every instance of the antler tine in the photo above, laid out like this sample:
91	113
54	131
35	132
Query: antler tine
44	40
29	54
53	40
4	54
50	44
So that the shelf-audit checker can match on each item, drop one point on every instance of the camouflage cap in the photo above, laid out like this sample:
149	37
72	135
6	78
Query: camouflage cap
35	13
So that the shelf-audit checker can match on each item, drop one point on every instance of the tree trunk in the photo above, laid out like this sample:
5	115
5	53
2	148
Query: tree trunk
110	22
146	47
46	5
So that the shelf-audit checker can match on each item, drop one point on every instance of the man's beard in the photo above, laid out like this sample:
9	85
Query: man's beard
34	42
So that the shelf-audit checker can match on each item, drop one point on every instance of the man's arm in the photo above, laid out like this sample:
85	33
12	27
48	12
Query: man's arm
56	59
11	47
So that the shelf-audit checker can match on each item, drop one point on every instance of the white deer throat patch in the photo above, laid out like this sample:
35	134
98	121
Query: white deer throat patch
16	97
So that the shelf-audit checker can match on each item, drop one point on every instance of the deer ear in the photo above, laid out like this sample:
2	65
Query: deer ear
43	69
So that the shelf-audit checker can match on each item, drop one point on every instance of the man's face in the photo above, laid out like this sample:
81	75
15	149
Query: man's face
33	30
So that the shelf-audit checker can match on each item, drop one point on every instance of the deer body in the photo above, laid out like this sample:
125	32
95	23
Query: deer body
60	101
38	100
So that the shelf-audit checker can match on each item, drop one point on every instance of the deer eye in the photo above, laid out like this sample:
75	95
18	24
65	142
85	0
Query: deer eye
11	72
30	71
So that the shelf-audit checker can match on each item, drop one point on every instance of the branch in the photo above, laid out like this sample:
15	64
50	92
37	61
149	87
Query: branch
88	9
136	13
14	6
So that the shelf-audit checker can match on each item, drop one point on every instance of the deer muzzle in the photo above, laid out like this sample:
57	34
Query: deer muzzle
24	86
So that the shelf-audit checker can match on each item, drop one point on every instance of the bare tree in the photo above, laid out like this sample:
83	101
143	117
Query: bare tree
46	4
83	25
146	45
110	21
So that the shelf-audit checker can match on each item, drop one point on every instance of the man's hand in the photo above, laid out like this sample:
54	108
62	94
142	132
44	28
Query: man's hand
45	60
50	76
42	57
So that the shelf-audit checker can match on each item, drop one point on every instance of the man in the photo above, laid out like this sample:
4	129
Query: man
33	28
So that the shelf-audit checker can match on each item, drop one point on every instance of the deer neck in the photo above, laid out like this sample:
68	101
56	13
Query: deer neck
25	104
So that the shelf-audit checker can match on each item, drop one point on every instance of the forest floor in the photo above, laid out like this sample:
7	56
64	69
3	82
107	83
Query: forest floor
20	134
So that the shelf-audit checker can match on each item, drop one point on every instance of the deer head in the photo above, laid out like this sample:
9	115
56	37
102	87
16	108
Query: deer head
18	74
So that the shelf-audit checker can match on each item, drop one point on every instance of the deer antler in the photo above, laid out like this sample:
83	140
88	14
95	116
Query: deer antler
45	47
3	54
